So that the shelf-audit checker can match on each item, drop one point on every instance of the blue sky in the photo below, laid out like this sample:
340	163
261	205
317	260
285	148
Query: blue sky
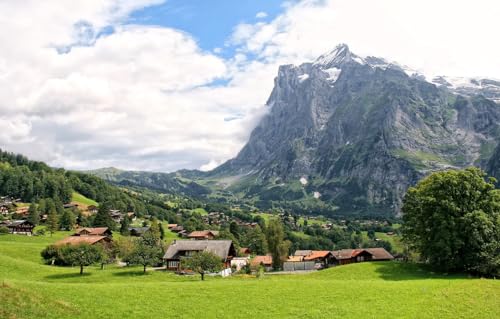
137	84
209	22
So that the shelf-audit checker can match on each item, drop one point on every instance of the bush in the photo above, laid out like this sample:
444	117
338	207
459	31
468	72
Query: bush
4	230
40	232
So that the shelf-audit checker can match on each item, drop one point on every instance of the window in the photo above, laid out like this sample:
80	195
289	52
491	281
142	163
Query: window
173	264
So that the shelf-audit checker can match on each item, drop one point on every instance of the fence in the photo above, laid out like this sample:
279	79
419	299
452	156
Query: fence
298	265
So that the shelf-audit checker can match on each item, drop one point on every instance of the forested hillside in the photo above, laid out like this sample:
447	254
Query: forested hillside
33	181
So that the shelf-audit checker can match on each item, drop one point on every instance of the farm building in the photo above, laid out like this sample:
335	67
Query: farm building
245	251
239	262
137	231
185	248
265	261
97	231
379	254
348	256
22	227
77	240
203	234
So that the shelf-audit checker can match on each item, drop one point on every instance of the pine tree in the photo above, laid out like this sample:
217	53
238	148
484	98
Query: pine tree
67	220
103	218
124	226
33	215
52	222
162	231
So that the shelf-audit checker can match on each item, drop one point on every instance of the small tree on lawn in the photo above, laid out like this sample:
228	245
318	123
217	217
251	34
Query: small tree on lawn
147	252
202	263
81	255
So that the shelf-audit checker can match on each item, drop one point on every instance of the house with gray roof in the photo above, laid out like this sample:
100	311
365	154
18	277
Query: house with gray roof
185	248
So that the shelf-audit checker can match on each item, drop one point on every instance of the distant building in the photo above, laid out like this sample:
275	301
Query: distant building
77	240
138	231
265	261
203	234
22	227
96	231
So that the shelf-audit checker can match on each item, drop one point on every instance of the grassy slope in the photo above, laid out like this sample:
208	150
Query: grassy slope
79	198
374	290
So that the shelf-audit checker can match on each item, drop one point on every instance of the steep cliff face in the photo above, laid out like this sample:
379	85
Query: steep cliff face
357	132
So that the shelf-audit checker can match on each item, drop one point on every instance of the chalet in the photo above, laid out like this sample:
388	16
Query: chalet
116	215
176	229
322	258
22	211
203	234
239	262
4	210
171	226
380	254
97	231
131	216
185	248
22	227
348	256
70	206
244	251
265	261
91	240
137	231
92	209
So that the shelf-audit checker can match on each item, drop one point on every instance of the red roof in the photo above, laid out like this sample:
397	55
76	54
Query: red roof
265	260
76	240
317	254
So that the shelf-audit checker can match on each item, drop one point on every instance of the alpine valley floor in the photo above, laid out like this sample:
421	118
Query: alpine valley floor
30	289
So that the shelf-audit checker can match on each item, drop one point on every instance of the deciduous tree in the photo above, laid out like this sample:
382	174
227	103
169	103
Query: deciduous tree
202	263
452	219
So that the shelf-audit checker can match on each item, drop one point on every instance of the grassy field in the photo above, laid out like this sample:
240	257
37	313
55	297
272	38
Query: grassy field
79	198
29	289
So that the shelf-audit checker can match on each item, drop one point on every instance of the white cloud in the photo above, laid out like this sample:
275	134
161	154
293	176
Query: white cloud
144	97
261	15
440	37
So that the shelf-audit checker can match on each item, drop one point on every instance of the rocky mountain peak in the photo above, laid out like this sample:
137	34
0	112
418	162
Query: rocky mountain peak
337	57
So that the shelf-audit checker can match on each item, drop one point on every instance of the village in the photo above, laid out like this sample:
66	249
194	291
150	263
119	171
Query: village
233	259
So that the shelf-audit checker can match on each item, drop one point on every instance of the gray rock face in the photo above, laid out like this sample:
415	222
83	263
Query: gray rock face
360	131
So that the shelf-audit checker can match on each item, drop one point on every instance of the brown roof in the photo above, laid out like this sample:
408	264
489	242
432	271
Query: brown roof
203	233
348	253
97	231
317	254
379	254
265	260
245	250
172	225
76	240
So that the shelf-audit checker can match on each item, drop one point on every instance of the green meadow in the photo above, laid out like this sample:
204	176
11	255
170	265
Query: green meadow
29	289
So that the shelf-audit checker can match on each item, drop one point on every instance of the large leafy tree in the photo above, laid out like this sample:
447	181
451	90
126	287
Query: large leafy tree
202	263
147	251
452	219
81	255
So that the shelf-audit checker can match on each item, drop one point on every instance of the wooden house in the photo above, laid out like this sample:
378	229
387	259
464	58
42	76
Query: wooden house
203	234
92	209
137	231
22	227
380	254
245	251
96	231
265	261
91	240
322	258
348	256
185	248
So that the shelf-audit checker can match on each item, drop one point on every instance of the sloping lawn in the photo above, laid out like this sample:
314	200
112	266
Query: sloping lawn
366	290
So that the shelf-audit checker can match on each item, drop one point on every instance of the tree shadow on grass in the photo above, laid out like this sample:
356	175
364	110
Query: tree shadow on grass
130	273
67	276
400	271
